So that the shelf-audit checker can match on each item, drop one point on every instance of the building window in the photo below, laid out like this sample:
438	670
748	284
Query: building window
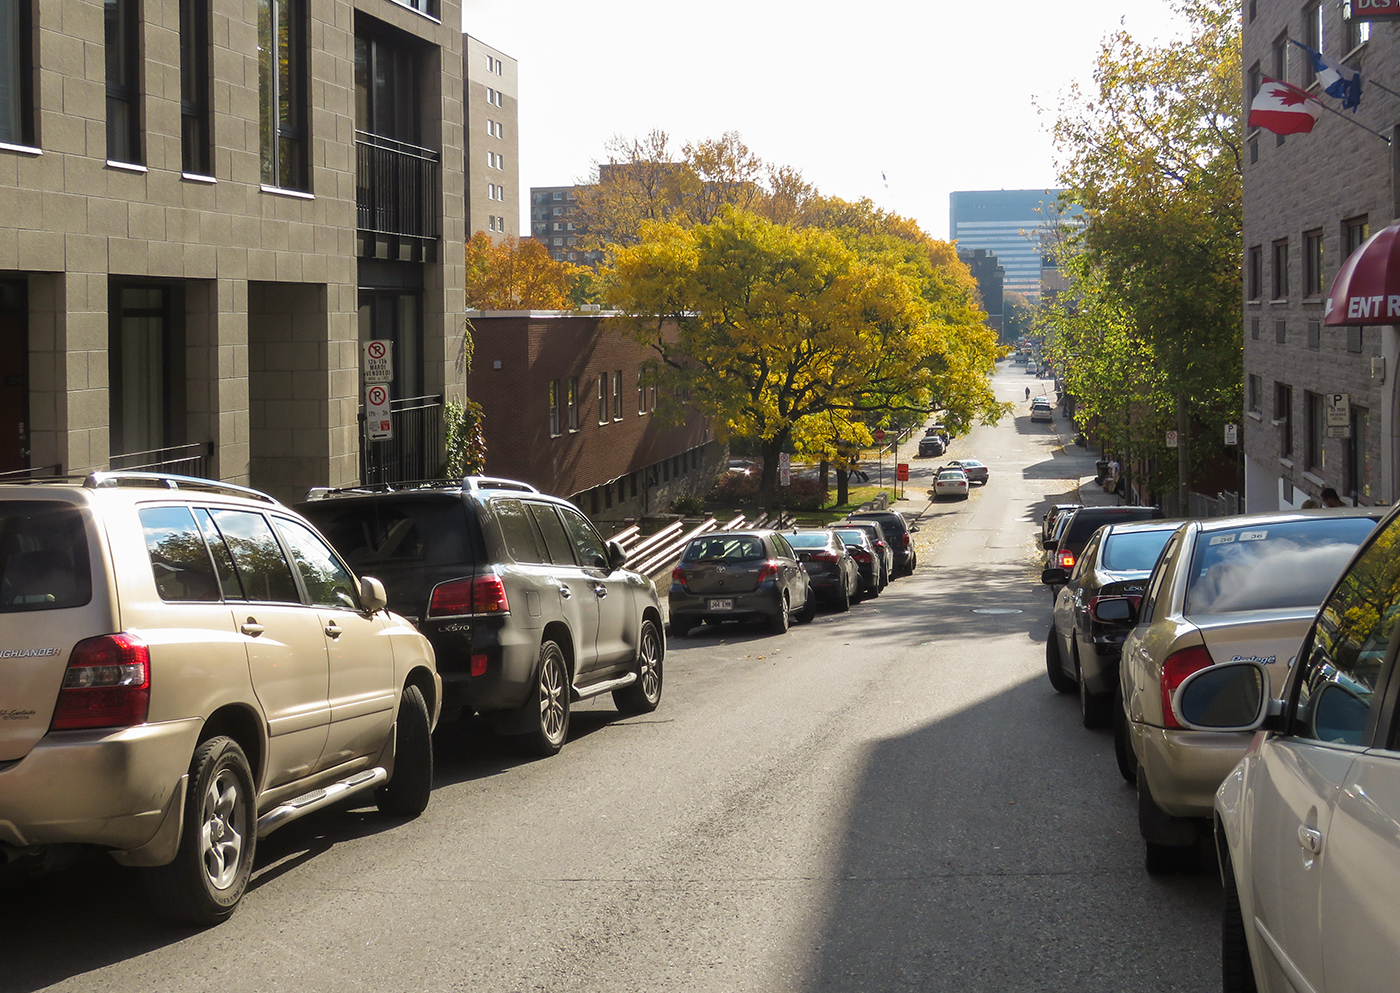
558	196
1315	335
1312	263
641	393
196	143
1256	272
1358	32
1355	231
1280	332
1253	81
617	395
1254	387
16	74
573	403
146	369
554	431
1355	339
603	398
1314	418
1254	328
386	85
1313	37
282	93
1280	273
1283	418
122	40
558	211
1279	69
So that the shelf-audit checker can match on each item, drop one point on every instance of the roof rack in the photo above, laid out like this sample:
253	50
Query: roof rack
496	483
170	481
470	484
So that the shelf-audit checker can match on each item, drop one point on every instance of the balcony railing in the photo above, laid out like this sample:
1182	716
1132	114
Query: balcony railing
415	450
183	460
397	188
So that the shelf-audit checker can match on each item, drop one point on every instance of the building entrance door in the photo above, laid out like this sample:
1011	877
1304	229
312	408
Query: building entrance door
14	376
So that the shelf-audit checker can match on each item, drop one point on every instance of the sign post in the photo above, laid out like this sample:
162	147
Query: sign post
379	426
1172	440
784	469
1338	406
1232	434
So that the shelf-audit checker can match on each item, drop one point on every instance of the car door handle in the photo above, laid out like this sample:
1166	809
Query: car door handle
565	592
251	628
601	590
1310	839
332	630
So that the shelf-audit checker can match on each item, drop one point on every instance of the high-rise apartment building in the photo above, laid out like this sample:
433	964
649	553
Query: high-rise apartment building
1015	225
491	87
203	225
554	223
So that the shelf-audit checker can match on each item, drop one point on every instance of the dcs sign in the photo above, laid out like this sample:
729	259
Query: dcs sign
1365	10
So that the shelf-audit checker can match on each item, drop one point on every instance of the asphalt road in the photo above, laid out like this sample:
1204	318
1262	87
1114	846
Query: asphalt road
888	800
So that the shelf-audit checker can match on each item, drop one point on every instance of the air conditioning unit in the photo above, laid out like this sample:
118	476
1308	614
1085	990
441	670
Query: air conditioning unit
1378	368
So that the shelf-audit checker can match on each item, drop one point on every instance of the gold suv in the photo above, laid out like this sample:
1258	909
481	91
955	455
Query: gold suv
187	666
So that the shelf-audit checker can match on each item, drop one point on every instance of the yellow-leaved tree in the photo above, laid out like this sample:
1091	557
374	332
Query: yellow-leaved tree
517	275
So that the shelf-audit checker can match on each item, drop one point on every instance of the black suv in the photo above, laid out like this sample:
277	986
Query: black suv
899	533
527	607
1072	535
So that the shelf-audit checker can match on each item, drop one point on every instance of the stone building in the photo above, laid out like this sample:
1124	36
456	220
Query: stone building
208	207
492	86
1310	200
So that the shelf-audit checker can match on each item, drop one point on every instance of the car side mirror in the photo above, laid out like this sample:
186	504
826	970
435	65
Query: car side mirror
1230	696
1048	543
372	594
1054	577
1114	609
913	528
617	556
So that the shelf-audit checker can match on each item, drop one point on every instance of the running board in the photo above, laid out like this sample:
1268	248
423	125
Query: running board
598	689
316	799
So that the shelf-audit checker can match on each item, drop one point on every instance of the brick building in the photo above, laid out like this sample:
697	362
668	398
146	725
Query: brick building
568	411
1309	201
207	208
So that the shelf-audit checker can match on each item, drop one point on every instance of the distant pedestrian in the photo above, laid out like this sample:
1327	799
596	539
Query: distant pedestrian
1113	468
1330	499
1028	392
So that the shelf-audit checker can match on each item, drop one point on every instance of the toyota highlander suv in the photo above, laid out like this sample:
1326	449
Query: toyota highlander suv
187	666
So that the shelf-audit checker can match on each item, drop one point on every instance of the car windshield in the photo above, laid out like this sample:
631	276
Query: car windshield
722	548
1134	551
1264	566
809	539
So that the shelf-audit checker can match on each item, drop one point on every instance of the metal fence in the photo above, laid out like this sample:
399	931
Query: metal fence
1220	505
416	449
396	187
185	460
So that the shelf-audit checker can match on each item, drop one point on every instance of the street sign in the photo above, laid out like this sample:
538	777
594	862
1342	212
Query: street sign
1338	410
879	434
901	472
379	426
1172	440
1341	432
1232	434
379	361
784	469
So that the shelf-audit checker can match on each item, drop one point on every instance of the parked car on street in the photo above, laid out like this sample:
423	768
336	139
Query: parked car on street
1048	520
1076	527
950	483
740	575
831	569
861	544
977	472
931	446
188	667
1305	824
529	609
1094	609
898	532
1042	411
1224	589
884	550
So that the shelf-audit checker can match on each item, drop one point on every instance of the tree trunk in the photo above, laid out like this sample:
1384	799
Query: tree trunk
843	486
768	489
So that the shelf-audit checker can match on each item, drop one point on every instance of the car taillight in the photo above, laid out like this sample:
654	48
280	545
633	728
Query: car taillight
678	577
905	539
824	556
769	571
1175	669
1066	559
482	595
107	685
861	555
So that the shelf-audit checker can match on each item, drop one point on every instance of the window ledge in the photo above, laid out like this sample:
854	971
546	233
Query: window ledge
196	177
126	166
5	146
423	14
281	192
1254	414
1279	302
1254	302
1314	301
1286	462
1312	477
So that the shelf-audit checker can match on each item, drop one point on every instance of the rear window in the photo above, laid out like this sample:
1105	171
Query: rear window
809	540
952	474
723	549
855	536
1266	566
1083	524
43	557
1135	551
369	533
890	522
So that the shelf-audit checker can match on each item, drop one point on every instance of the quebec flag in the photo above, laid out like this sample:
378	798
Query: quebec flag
1336	81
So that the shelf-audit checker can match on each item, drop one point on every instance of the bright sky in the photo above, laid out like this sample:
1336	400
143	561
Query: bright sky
936	94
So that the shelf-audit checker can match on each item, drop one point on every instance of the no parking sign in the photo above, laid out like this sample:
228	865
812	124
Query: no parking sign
378	425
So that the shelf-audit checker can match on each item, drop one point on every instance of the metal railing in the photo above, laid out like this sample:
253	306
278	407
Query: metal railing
1220	505
397	187
656	554
416	449
185	460
35	472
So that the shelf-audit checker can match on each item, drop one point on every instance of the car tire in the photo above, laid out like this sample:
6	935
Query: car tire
809	609
1236	969
843	602
550	704
1053	666
205	882
873	590
643	696
779	622
407	793
1122	746
1094	709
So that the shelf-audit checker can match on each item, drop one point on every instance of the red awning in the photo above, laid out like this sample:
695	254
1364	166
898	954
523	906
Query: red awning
1367	289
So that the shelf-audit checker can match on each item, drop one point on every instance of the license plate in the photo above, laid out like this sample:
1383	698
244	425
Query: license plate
721	604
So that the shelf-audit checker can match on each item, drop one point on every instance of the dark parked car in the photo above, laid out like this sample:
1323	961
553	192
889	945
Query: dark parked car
884	551
931	446
740	575
860	542
899	534
1074	533
1094	612
1047	526
526	606
977	472
831	569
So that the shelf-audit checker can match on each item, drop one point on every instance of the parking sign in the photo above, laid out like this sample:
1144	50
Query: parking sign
378	424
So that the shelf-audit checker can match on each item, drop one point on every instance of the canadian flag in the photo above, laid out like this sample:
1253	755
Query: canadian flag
1283	108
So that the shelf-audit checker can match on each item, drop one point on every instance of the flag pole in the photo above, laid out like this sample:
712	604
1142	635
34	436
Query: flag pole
1338	113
